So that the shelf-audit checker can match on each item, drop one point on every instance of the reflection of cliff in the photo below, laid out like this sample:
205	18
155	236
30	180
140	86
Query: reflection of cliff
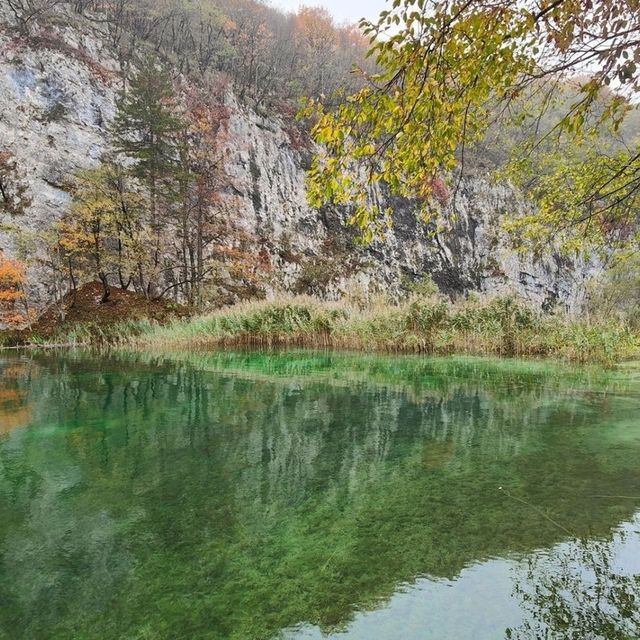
236	502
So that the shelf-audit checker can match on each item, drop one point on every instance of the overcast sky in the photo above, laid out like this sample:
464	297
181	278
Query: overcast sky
342	10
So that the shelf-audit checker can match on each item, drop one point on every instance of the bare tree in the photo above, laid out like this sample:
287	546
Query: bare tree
28	11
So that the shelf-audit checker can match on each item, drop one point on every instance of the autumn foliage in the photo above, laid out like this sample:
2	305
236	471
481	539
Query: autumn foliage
12	280
268	54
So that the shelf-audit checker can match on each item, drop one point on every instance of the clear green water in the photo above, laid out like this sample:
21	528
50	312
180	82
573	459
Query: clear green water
305	495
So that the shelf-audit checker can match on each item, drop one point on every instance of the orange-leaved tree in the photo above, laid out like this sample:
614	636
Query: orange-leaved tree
12	280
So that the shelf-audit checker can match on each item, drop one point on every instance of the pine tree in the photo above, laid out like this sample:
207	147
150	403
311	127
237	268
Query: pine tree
145	129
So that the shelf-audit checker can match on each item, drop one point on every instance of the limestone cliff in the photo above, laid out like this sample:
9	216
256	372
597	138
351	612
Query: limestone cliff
57	90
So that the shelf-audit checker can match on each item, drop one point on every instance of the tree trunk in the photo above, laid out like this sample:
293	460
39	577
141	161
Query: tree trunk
199	275
106	289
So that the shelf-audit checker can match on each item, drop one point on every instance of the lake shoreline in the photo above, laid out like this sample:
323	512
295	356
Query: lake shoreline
502	327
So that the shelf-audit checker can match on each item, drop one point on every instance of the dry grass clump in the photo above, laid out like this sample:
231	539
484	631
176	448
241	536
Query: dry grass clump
498	326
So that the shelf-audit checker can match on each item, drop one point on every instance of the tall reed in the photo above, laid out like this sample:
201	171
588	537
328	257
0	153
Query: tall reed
498	326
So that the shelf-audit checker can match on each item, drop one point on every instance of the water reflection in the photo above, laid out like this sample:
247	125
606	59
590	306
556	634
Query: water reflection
583	589
576	590
14	409
238	495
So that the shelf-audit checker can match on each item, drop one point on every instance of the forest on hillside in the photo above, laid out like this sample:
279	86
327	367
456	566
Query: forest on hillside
151	218
271	56
154	216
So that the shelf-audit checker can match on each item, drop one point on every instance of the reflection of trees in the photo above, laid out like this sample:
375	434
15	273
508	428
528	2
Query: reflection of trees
577	593
14	410
234	496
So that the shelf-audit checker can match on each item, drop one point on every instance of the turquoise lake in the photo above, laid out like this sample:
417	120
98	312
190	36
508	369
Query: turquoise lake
307	495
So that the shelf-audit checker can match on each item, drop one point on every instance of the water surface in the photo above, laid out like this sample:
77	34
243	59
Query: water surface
304	495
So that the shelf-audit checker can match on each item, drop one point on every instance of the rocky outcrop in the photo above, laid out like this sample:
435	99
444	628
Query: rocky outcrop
317	249
57	92
56	100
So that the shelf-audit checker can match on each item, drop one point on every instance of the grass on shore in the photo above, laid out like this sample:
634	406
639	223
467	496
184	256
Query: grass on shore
499	326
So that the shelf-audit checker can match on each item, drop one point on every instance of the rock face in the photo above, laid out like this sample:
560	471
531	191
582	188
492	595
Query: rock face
56	99
57	92
268	173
